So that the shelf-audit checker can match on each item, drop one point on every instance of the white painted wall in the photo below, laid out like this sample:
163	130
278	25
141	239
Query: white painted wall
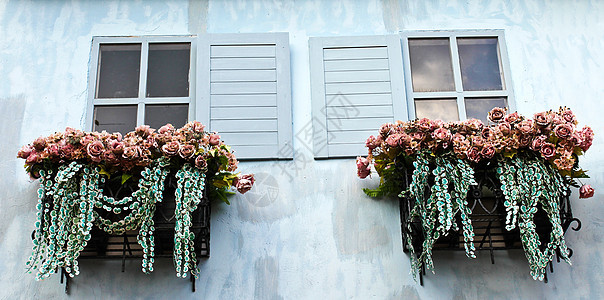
307	232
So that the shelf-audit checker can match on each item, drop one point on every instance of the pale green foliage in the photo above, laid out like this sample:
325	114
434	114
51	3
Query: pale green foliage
66	214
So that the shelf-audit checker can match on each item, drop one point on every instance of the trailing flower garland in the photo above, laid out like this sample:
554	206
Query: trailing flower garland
73	167
532	158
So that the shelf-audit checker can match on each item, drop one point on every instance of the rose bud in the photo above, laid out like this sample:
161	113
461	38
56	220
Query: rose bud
586	191
244	183
214	139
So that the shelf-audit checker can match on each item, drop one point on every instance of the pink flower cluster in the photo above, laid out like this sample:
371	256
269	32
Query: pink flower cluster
552	134
135	149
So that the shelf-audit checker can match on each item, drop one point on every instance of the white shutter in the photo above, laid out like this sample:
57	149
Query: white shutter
246	92
357	85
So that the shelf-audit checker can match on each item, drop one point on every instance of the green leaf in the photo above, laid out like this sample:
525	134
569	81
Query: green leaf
125	177
104	172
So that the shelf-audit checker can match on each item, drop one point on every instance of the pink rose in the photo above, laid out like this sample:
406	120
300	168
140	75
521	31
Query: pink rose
166	128
197	126
25	152
441	134
53	150
244	183
542	118
392	140
363	167
497	114
525	127
67	150
538	142
39	143
588	137
417	136
473	154
504	128
171	148
214	139
568	116
487	152
513	117
563	131
186	151
586	191
372	142
144	130
576	139
132	153
548	150
95	150
32	158
116	147
201	163
110	157
473	124
386	129
486	132
525	140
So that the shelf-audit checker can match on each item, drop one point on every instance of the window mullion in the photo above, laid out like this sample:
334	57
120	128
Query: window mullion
457	76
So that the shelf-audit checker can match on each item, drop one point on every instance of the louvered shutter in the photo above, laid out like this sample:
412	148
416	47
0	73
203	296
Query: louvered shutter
357	85
245	92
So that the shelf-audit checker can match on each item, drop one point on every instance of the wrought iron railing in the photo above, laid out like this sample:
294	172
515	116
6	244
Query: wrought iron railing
488	220
125	246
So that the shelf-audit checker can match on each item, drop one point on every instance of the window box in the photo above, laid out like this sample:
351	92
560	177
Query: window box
147	192
474	186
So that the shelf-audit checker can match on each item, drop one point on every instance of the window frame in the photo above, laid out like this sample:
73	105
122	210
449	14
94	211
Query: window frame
141	100
459	94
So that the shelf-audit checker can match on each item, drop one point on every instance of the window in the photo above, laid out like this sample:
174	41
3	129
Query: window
357	85
141	80
456	75
235	84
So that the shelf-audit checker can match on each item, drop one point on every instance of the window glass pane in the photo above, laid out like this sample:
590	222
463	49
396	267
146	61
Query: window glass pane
119	69
443	109
168	70
478	108
479	62
431	67
157	116
115	118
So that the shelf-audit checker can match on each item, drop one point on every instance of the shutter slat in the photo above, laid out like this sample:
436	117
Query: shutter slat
357	88
246	88
253	63
243	75
357	124
355	53
250	138
359	99
242	51
356	65
244	100
354	112
357	76
236	113
224	126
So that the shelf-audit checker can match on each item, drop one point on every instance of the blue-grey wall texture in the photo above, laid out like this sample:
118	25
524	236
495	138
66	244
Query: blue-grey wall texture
306	230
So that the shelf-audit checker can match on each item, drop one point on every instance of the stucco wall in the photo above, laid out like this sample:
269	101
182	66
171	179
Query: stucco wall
306	231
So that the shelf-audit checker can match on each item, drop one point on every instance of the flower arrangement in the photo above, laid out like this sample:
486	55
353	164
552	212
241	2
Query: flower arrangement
533	159
73	165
